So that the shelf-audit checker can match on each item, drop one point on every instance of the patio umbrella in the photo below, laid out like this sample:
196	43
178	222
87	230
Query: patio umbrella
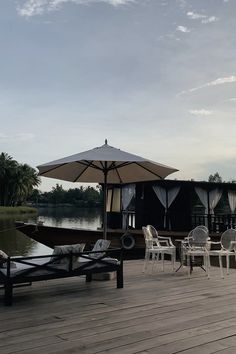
106	165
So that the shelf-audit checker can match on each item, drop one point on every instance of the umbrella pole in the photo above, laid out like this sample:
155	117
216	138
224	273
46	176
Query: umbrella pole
105	204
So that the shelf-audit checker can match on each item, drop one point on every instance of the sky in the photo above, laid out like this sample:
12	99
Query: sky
156	78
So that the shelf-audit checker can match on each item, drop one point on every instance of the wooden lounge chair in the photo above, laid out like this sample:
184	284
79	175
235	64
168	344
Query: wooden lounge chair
22	270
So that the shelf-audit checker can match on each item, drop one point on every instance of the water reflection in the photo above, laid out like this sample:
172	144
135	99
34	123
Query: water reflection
70	217
15	243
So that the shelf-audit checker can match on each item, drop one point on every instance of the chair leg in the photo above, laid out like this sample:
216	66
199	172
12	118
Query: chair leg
157	258
227	264
154	258
144	264
188	265
172	261
173	256
207	261
209	264
145	260
221	267
163	260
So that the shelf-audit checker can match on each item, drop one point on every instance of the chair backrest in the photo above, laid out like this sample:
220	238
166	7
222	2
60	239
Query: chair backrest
146	233
227	239
199	237
188	239
153	231
203	227
147	237
61	250
101	245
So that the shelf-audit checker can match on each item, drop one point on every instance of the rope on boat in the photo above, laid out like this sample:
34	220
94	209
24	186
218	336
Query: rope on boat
18	227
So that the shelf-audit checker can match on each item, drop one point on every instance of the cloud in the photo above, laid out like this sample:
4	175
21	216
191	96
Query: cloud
204	18
219	81
182	29
210	19
38	7
195	16
17	137
182	3
201	112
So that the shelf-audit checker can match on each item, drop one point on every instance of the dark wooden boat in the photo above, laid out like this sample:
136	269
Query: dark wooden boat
131	240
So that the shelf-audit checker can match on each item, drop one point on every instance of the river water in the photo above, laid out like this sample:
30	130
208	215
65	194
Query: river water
15	243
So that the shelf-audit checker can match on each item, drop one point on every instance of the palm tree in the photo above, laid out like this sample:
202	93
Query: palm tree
16	181
27	178
7	171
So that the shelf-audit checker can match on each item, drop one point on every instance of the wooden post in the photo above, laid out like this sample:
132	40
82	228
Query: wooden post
167	211
8	287
8	293
70	261
119	278
208	216
88	278
119	273
105	202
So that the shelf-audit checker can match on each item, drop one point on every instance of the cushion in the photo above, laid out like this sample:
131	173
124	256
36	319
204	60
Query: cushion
100	245
3	258
12	265
18	268
66	249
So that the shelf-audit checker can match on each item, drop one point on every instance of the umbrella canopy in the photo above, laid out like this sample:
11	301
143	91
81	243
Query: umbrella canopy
105	164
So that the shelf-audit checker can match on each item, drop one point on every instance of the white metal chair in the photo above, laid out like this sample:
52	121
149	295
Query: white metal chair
227	246
164	245
203	227
151	249
197	245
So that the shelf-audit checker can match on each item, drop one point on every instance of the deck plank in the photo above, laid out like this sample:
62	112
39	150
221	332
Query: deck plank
159	312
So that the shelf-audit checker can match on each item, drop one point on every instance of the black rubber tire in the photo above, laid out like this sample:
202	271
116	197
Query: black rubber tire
127	241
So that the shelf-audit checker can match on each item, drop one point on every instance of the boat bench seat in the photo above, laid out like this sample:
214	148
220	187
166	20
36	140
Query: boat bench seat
21	270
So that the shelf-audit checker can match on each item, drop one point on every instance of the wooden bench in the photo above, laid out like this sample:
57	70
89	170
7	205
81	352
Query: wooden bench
25	270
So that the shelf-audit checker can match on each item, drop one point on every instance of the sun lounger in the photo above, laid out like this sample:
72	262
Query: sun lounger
22	270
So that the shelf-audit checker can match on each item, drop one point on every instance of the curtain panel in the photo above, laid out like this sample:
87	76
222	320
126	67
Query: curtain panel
232	201
214	197
128	192
166	197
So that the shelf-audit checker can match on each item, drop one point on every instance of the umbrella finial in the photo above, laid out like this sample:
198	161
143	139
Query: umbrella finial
105	141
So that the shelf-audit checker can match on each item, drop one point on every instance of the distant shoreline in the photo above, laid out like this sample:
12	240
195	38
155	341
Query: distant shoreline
55	205
6	210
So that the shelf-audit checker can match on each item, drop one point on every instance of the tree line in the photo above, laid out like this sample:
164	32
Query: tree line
81	197
216	178
18	184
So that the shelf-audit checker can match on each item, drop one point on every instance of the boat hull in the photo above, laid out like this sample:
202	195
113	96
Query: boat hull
52	236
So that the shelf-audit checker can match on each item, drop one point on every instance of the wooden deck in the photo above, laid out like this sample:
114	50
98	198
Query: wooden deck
154	313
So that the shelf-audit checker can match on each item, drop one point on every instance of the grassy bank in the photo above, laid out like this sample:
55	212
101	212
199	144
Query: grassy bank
17	210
